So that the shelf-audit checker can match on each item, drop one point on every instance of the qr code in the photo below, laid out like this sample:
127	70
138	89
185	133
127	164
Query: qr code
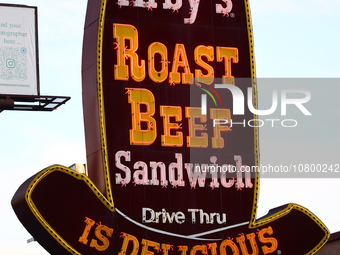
13	63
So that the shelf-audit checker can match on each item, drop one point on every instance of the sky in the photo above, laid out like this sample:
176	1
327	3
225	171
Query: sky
293	39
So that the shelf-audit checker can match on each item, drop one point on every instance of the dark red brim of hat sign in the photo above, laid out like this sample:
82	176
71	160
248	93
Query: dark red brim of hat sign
46	204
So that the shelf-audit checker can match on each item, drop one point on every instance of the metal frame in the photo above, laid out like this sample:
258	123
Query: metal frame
31	103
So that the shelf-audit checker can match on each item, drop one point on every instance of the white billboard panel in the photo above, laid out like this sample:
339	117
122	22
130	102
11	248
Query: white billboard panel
19	72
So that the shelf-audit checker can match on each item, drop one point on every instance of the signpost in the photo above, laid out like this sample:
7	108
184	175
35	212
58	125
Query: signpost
167	172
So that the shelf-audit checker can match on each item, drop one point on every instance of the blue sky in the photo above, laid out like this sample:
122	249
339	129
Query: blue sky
293	39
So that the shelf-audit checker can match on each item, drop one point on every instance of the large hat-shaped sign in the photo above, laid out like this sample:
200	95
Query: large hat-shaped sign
172	149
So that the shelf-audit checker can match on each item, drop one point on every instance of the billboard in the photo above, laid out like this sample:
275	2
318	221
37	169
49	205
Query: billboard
166	155
19	72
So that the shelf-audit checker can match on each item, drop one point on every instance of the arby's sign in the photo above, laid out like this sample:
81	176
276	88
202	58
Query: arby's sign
164	176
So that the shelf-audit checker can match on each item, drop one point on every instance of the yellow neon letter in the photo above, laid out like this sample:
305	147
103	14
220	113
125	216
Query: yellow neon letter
89	225
180	60
161	49
165	248
271	240
231	245
212	247
201	248
122	33
147	244
227	54
193	113
208	52
219	116
102	238
143	130
241	241
127	239
167	139
183	249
